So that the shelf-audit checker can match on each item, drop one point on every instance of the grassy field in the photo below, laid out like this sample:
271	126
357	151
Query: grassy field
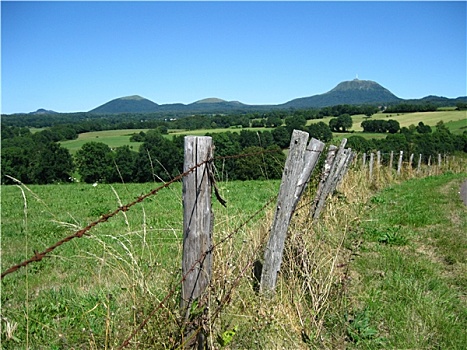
123	267
113	138
455	120
409	280
382	268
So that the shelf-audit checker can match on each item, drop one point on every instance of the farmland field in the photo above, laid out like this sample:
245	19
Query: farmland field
458	118
113	138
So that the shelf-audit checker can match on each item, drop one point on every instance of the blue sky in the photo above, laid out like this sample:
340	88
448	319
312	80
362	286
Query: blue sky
75	56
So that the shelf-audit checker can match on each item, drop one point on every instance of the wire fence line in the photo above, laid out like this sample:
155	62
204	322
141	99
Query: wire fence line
38	256
225	300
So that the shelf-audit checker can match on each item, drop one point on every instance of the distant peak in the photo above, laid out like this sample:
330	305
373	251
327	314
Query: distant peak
211	100
132	97
357	84
43	111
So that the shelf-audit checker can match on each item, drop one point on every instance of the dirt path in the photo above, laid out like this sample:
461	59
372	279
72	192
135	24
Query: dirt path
463	192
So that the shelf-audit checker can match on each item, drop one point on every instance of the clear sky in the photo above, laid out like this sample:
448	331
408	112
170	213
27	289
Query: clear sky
75	56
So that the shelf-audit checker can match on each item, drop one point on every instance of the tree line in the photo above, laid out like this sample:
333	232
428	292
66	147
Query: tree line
419	139
38	158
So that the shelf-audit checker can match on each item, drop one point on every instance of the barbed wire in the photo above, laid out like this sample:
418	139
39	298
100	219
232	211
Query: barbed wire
192	268
78	234
38	256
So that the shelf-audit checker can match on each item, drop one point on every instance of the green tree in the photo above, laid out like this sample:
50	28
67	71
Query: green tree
94	162
345	122
159	159
264	164
51	163
393	126
320	131
281	136
124	168
341	124
295	123
423	129
358	143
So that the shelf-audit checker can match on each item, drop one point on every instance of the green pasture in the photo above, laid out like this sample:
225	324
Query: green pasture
409	276
113	138
110	271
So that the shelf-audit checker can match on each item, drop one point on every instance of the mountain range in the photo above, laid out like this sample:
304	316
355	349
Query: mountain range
353	92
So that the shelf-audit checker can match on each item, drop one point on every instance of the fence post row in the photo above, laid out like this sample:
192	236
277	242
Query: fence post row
198	221
298	167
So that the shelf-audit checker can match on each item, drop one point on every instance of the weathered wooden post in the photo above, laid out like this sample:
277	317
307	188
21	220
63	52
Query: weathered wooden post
399	164
391	160
439	160
429	160
372	160
298	167
364	159
349	155
378	159
410	161
329	185
197	220
324	176
419	162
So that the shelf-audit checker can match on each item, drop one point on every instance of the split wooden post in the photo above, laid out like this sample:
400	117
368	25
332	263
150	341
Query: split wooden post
364	159
419	162
391	160
298	167
349	156
197	220
324	176
372	160
329	185
378	159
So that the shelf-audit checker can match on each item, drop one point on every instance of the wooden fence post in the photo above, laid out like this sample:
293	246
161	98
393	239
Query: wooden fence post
419	162
399	164
364	159
411	160
378	159
329	185
349	156
298	167
197	220
391	160
324	176
372	160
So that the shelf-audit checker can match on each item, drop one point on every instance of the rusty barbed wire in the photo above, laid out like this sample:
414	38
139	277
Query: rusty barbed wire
192	268
38	256
78	234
